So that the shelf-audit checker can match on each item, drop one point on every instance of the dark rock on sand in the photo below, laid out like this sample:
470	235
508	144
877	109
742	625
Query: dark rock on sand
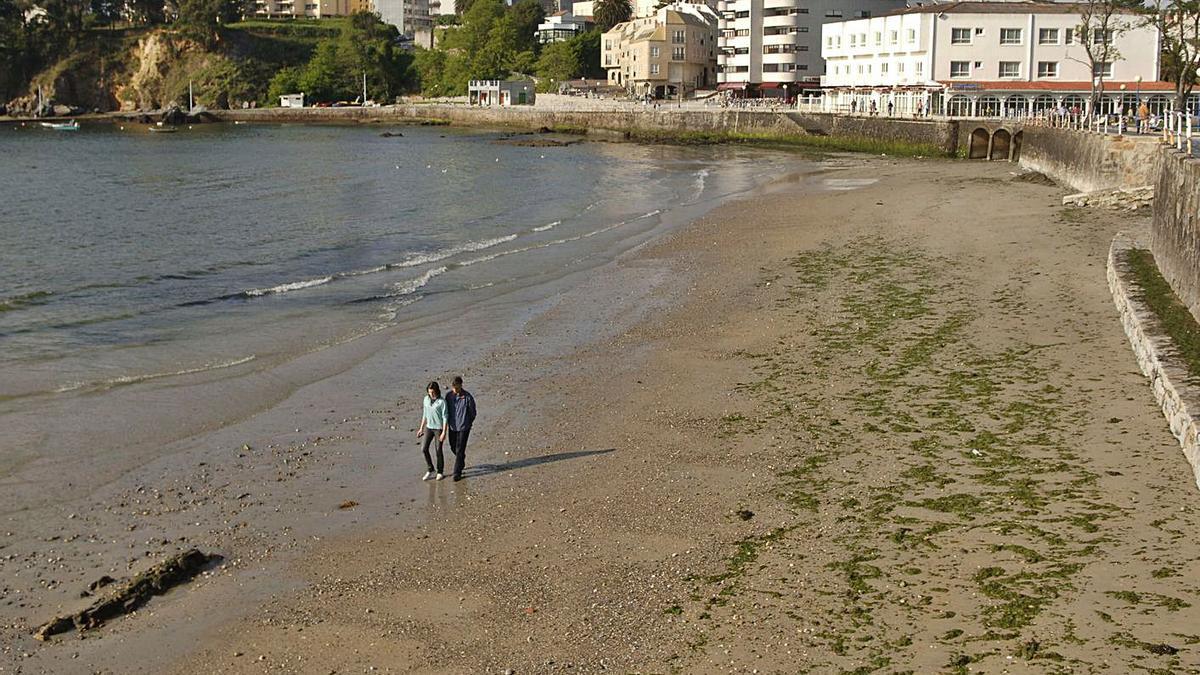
154	581
391	134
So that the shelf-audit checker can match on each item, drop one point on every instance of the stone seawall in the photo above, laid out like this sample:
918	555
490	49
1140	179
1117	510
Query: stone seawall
1090	162
1175	232
1179	400
941	136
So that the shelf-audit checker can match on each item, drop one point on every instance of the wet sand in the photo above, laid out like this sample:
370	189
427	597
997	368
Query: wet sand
892	428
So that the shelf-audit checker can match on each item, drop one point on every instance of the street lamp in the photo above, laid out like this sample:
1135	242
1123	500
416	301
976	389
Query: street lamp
1137	103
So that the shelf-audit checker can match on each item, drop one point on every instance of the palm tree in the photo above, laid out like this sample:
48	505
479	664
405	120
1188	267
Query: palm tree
612	12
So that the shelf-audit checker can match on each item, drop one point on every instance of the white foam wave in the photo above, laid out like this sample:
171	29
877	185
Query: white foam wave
134	379
402	288
548	226
469	247
289	287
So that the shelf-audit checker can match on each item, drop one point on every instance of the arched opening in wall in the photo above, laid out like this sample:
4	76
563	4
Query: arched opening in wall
958	106
1043	104
1076	104
1193	103
1157	104
1110	105
979	144
1016	106
989	106
1129	104
1001	140
1017	139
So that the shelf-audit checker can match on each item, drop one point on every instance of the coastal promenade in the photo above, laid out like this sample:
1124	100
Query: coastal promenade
869	434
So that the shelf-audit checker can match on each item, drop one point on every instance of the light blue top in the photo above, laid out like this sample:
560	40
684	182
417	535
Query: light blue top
435	413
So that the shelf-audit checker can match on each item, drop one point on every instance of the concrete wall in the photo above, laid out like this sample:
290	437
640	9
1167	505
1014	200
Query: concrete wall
1175	232
942	135
1089	162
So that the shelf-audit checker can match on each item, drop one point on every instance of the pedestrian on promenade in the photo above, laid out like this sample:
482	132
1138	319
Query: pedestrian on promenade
874	109
854	106
460	415
1143	116
891	108
433	428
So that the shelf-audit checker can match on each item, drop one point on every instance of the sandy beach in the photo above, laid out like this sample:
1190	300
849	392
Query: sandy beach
895	428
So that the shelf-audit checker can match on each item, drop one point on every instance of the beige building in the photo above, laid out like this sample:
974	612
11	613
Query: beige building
671	52
294	9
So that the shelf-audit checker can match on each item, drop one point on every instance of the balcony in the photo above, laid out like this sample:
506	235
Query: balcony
772	4
794	20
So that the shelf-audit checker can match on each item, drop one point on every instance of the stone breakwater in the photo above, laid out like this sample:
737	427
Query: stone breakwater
1179	400
938	136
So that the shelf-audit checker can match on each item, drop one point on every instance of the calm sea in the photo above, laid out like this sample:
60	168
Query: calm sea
127	256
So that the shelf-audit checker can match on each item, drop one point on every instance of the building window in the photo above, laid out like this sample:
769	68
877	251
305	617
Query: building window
1048	36
1010	69
1068	36
920	67
862	39
741	50
912	36
894	37
829	42
1010	36
1101	37
960	36
608	44
742	15
853	40
899	66
677	54
742	32
1102	69
878	38
960	69
833	13
677	37
655	52
1047	68
653	68
862	14
883	68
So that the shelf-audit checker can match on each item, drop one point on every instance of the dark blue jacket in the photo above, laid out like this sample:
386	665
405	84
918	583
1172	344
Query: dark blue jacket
460	410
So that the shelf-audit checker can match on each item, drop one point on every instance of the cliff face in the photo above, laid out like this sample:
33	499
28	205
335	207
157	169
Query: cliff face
148	69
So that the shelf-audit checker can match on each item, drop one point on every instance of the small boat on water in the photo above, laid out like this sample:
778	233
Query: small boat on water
164	128
62	126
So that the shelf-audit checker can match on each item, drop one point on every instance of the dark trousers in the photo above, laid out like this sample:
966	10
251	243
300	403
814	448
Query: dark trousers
431	436
458	446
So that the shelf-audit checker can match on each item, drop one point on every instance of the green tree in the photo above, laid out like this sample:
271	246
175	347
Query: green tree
587	46
286	81
1178	24
609	13
1101	22
558	63
527	15
146	11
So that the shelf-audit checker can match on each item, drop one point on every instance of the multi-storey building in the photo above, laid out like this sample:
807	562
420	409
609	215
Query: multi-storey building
561	26
987	59
775	44
411	17
294	9
664	55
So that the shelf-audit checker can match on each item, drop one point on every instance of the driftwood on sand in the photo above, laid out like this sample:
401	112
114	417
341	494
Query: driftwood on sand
128	597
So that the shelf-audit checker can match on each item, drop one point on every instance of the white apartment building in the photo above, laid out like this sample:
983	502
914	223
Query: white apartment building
985	59
776	44
309	9
561	26
410	17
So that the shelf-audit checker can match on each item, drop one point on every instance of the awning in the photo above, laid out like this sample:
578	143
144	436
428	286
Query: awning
770	85
729	86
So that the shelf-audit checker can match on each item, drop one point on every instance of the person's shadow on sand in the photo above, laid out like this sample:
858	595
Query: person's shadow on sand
487	469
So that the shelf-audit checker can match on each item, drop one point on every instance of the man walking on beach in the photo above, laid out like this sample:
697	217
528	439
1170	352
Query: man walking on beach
460	415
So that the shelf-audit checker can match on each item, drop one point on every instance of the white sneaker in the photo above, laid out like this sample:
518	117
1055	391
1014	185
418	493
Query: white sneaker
439	477
429	475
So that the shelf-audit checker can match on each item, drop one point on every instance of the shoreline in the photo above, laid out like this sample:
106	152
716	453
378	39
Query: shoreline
707	479
224	502
814	131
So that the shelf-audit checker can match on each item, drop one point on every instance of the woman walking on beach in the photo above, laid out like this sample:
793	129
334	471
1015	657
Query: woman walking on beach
433	428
